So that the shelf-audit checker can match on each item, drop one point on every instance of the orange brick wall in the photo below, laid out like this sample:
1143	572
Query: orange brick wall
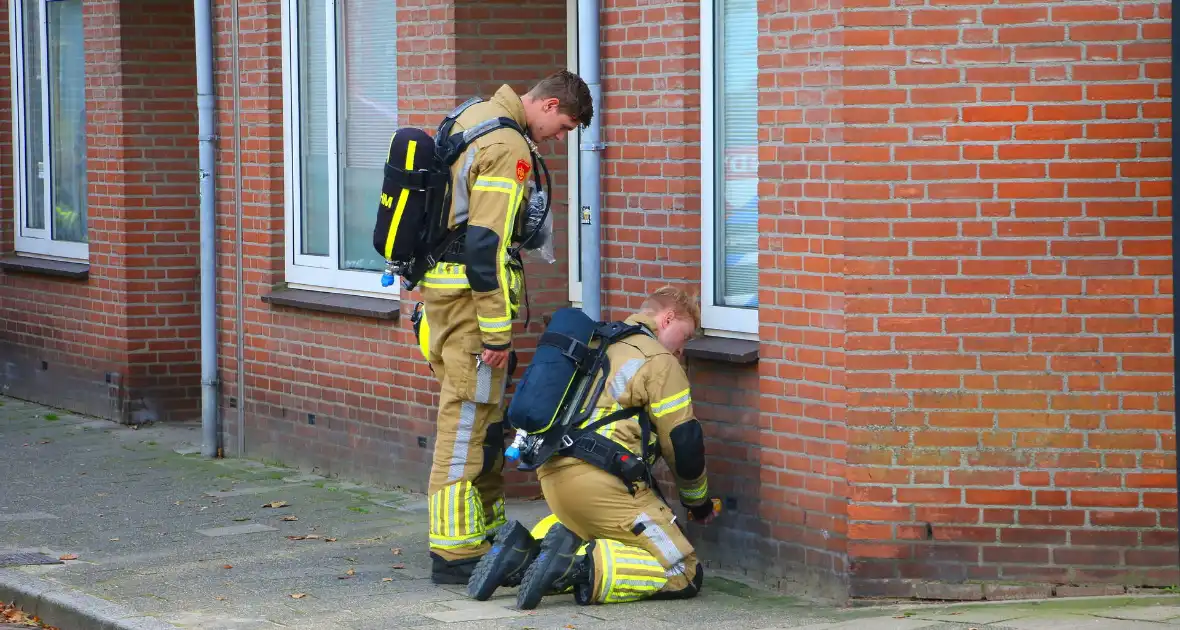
123	343
1007	224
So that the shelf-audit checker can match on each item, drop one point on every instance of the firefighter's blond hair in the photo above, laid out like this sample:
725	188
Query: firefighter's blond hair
681	302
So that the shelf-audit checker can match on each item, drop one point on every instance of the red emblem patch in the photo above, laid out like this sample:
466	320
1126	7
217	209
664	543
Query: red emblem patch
522	170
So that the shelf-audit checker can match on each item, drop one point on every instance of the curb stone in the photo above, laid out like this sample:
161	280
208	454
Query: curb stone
69	608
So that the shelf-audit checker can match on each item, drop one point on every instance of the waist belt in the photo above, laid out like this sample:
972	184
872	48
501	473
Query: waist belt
455	253
603	452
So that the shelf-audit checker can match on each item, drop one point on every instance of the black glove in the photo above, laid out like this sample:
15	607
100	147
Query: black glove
699	512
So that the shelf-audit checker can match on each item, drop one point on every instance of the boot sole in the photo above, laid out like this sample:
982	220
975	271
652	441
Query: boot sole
491	571
555	547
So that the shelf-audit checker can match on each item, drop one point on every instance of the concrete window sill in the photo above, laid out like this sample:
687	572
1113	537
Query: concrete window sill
723	350
43	267
361	306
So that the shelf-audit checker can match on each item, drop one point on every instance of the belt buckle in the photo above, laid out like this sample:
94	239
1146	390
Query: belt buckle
566	442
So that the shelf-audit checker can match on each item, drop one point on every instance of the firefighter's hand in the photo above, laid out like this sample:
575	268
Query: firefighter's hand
495	358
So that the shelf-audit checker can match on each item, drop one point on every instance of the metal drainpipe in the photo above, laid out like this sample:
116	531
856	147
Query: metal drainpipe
591	153
210	431
1175	272
240	296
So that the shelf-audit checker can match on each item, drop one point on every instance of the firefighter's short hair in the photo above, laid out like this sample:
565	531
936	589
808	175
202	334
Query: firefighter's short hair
682	303
571	92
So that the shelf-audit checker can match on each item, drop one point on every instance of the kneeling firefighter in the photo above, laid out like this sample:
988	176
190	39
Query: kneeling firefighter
601	403
455	212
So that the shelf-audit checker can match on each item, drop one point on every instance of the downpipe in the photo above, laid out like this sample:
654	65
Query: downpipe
590	152
210	429
1175	272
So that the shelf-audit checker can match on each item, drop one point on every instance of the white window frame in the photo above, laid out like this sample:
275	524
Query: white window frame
319	273
30	240
726	321
574	170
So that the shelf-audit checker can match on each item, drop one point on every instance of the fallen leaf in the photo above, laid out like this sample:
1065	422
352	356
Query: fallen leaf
228	566
298	595
399	566
178	503
296	537
386	579
219	598
351	572
114	540
275	504
312	536
68	556
397	551
328	539
289	517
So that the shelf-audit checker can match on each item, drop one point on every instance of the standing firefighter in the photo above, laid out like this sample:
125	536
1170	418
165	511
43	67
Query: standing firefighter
612	538
464	250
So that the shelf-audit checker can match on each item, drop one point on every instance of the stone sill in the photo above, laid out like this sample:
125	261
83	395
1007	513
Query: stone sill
44	267
361	306
723	350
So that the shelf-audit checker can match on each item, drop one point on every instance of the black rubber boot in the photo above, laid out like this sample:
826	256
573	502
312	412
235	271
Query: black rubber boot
556	568
505	564
452	572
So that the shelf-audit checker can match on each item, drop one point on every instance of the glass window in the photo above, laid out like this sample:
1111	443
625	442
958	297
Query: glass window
730	159
342	110
50	84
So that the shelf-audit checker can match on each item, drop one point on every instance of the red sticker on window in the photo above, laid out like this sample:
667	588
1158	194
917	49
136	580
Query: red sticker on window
522	170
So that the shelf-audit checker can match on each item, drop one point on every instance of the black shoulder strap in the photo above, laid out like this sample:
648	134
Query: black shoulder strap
452	145
614	331
573	349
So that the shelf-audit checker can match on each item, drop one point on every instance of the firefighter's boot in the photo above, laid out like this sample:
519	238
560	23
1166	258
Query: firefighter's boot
505	565
558	567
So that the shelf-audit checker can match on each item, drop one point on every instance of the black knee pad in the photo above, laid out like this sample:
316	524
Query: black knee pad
493	448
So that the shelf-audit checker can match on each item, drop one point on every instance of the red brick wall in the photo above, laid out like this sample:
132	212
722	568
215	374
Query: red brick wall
802	321
1008	293
372	394
121	344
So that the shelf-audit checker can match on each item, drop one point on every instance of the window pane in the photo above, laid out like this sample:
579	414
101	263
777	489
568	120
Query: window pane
67	119
737	139
34	130
368	113
313	126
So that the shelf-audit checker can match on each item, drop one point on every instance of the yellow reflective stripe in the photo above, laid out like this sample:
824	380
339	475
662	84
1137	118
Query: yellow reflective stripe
401	200
675	402
697	492
488	183
495	324
447	276
509	221
456	517
448	542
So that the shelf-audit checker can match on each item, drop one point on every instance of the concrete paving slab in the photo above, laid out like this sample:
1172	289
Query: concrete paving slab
25	516
1144	613
973	616
1079	622
462	611
237	530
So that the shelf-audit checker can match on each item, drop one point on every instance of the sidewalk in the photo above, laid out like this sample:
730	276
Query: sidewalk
162	536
